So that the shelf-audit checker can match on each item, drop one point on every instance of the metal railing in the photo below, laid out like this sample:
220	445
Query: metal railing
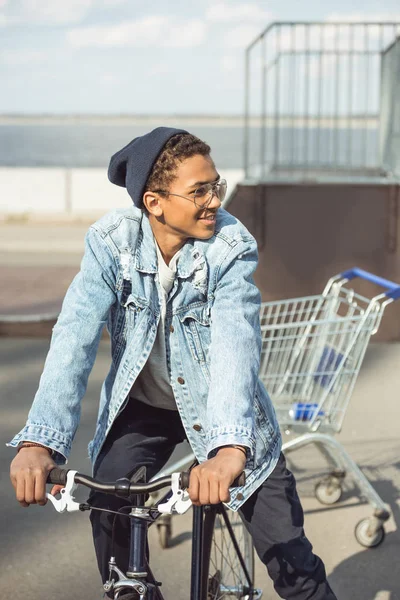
316	100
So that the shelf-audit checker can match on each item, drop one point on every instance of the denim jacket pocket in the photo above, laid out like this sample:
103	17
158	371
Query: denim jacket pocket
133	308
196	327
126	318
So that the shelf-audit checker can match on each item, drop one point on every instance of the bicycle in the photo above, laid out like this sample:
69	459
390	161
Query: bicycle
222	564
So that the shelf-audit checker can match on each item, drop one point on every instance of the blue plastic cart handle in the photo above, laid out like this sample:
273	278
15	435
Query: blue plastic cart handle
393	288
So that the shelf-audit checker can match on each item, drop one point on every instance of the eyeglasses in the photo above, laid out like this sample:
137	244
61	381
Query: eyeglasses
203	195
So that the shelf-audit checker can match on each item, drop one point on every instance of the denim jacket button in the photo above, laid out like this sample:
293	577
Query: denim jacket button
171	329
197	427
239	496
181	380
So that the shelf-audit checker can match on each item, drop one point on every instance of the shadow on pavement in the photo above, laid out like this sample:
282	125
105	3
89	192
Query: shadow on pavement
374	571
179	539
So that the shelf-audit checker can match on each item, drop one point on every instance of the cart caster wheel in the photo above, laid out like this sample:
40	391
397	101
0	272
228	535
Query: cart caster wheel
164	534
365	537
328	491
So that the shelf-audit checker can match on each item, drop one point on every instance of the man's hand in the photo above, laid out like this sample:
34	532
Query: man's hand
210	481
28	473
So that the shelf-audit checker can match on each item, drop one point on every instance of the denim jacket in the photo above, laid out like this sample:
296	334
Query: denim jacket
212	337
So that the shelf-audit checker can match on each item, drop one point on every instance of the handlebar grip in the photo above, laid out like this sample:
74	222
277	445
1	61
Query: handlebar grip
184	480
239	481
185	477
57	476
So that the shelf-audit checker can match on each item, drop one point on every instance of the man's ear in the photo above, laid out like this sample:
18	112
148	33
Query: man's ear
153	204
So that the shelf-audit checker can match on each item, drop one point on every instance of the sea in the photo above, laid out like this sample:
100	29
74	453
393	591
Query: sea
91	145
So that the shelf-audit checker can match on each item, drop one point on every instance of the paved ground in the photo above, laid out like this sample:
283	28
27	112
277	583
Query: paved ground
37	263
45	555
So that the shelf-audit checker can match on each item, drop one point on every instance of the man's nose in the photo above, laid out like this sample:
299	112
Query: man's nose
215	202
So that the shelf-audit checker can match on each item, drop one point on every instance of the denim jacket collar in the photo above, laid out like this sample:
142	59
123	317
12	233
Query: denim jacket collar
191	258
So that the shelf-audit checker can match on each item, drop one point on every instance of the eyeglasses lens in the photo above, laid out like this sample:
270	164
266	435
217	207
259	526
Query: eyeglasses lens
205	193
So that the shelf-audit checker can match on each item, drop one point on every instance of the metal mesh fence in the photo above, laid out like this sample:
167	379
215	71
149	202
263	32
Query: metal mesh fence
315	98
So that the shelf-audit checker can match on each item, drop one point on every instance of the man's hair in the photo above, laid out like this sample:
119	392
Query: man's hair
177	149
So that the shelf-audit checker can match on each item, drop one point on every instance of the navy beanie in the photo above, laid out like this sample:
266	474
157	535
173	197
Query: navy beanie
131	166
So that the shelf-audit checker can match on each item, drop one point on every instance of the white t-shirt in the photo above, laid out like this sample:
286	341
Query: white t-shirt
153	383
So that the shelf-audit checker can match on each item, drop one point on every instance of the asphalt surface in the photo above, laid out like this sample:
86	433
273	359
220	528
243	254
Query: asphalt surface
37	263
45	555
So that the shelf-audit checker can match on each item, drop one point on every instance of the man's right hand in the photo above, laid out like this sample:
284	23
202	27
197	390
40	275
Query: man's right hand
28	473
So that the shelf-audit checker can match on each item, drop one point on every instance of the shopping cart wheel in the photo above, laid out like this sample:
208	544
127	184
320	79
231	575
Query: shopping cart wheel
164	527
328	491
367	535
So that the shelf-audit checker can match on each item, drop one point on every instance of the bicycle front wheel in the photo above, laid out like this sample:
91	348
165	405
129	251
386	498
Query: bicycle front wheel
228	556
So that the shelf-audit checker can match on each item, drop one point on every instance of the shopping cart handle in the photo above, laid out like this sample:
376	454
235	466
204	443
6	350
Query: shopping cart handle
393	289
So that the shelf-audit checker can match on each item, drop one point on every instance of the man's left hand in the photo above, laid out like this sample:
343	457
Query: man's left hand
210	481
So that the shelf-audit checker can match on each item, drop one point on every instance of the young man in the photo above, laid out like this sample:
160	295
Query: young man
172	278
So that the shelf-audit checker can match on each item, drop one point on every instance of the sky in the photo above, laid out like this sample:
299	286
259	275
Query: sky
138	57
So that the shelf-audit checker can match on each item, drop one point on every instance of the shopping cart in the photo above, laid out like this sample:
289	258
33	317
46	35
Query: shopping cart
312	350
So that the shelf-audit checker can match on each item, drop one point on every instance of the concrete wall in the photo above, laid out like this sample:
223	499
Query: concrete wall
54	191
307	233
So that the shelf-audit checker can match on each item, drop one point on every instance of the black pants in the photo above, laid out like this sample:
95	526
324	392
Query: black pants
142	435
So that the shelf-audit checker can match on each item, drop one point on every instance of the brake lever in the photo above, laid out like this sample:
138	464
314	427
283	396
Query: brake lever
67	501
179	502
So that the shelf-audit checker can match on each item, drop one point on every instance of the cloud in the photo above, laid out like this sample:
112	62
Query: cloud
4	20
388	18
185	35
161	70
131	33
48	12
229	63
224	12
241	36
152	31
13	58
109	79
113	2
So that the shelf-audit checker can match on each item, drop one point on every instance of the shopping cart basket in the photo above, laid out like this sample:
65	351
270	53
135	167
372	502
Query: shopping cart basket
312	350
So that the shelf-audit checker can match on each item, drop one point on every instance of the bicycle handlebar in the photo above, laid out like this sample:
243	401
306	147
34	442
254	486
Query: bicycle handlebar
125	487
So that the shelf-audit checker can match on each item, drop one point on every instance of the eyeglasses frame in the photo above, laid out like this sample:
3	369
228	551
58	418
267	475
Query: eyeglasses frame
206	204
